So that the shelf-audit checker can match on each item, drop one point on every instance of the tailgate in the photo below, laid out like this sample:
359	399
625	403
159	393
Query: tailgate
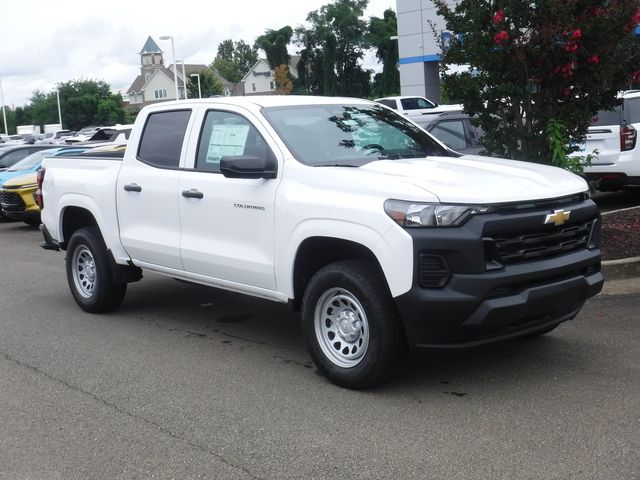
604	139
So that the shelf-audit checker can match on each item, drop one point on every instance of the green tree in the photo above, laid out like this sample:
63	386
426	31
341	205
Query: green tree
332	49
110	111
209	84
380	31
245	56
43	108
234	60
11	120
539	69
274	44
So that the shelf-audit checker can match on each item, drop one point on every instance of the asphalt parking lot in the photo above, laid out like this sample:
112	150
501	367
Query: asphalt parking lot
190	382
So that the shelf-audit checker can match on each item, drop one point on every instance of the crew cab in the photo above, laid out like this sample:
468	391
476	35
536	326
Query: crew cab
412	106
381	235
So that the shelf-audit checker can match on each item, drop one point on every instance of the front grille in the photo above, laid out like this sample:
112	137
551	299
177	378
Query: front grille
544	242
546	204
11	202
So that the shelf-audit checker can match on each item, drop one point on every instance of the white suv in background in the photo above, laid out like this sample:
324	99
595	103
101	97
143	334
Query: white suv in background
614	135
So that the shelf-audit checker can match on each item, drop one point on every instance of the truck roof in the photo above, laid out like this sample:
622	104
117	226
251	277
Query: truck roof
266	101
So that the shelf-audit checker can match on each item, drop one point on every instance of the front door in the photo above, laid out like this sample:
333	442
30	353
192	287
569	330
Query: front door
227	224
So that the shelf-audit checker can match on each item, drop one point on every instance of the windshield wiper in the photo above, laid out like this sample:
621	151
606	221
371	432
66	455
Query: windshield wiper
335	165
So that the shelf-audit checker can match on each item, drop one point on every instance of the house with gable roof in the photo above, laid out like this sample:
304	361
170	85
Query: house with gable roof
261	80
156	81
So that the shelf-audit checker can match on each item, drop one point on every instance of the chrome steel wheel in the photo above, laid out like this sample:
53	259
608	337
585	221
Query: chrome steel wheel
84	271
341	327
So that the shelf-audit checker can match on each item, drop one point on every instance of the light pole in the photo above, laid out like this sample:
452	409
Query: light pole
4	113
59	111
175	67
199	90
184	79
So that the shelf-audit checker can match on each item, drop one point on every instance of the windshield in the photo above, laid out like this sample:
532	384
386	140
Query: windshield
32	160
349	135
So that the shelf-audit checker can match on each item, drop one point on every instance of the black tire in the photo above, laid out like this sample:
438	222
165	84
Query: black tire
92	286
33	222
344	288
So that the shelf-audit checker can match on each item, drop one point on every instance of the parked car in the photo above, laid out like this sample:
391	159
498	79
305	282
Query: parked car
455	130
342	209
614	134
412	106
17	185
56	137
32	162
12	154
118	134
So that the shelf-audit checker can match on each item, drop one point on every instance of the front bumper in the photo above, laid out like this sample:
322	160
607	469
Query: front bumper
483	301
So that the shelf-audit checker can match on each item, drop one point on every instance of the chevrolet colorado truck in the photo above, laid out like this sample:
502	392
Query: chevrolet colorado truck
382	236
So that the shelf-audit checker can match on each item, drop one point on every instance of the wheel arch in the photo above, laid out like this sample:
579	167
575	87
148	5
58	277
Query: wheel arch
72	218
313	253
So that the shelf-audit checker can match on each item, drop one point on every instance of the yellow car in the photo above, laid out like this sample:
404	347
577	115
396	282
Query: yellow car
17	199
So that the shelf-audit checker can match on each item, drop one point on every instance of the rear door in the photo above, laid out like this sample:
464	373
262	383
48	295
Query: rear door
147	191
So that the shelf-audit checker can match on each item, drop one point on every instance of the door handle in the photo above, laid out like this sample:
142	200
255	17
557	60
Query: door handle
193	193
132	187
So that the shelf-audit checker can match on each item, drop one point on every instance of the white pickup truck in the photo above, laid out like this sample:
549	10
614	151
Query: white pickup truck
381	235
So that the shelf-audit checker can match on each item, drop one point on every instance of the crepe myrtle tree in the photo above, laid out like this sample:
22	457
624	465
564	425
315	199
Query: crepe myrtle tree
539	70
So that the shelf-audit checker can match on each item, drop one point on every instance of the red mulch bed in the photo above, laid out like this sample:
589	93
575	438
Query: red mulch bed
621	235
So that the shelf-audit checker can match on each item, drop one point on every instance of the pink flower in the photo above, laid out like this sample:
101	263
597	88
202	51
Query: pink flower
566	91
500	37
499	16
571	47
594	59
635	20
576	34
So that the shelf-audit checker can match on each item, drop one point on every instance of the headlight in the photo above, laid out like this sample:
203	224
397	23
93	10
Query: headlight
409	214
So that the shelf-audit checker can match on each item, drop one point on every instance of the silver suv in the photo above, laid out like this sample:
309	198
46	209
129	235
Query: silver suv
614	135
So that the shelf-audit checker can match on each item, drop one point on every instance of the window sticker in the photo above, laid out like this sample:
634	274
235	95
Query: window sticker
227	141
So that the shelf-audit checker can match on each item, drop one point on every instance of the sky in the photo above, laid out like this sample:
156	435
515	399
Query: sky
45	42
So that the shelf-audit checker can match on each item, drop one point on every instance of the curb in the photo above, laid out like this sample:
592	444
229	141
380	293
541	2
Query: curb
621	269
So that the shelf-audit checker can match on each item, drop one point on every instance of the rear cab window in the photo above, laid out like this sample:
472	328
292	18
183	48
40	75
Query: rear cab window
163	137
416	103
388	103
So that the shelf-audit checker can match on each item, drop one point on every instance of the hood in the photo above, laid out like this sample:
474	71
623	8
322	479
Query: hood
482	180
29	179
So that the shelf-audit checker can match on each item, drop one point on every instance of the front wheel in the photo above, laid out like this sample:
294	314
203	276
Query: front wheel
89	273
350	324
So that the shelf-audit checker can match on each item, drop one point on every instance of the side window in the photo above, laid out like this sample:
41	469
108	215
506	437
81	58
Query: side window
15	156
450	133
226	134
632	110
389	103
162	138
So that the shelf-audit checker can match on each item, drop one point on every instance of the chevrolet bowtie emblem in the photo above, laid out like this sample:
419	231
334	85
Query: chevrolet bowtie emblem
558	217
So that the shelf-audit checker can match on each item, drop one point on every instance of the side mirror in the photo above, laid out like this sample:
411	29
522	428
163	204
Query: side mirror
248	166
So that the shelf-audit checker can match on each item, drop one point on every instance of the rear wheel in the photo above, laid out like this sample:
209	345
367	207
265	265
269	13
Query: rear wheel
89	273
350	324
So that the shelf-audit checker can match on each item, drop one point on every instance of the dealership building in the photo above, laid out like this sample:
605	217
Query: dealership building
419	48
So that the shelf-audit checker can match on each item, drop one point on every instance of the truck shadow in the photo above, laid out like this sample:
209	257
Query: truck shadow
210	314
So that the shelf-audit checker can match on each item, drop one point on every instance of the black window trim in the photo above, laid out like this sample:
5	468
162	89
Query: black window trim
145	128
